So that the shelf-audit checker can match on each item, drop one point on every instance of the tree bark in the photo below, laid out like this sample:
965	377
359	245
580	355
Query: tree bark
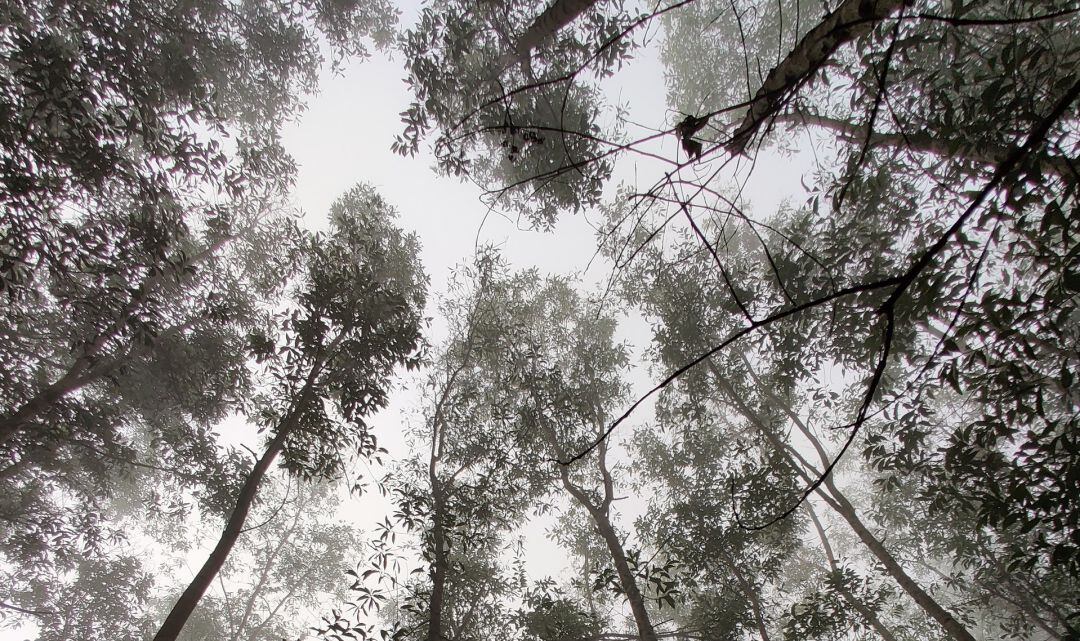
852	19
191	596
869	615
929	605
600	517
751	595
646	632
438	565
88	367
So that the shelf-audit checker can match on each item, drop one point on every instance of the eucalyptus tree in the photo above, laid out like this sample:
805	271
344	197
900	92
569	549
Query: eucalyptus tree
780	382
526	379
571	373
127	126
464	58
730	576
693	309
134	436
141	170
354	318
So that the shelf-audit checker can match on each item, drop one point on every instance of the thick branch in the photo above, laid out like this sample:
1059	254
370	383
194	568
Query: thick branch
90	364
852	19
555	17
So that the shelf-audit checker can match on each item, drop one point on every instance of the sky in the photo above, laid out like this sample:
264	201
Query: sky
344	136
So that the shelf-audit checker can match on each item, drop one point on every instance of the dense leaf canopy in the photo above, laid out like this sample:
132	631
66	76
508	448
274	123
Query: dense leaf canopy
853	413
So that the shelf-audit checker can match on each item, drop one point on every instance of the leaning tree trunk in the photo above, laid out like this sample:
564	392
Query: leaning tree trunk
860	607
191	596
627	582
91	365
185	605
840	504
546	25
850	20
646	632
984	153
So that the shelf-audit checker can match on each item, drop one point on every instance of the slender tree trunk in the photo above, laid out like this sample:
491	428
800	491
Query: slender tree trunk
185	605
990	155
869	615
438	566
751	595
646	632
929	605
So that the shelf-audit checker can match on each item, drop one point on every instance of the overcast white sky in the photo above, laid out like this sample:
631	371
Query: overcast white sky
344	137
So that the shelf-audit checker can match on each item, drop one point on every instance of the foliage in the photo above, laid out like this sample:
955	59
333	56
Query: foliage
896	345
508	139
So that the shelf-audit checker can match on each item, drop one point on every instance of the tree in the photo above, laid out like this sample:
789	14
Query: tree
108	169
481	129
471	486
140	167
569	379
136	423
356	318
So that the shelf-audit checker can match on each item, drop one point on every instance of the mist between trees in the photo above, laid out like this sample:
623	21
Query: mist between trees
860	416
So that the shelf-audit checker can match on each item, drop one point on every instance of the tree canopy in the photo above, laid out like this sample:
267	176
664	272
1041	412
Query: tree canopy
848	414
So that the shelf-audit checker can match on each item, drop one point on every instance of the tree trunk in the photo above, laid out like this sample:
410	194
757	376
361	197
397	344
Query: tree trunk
953	627
88	367
546	25
626	577
751	595
438	568
860	607
185	605
42	401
